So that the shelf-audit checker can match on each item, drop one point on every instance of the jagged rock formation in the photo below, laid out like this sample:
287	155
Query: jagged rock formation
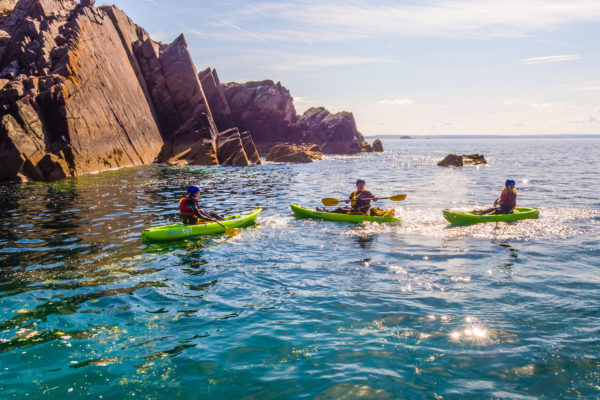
452	160
292	153
334	133
70	102
266	109
84	89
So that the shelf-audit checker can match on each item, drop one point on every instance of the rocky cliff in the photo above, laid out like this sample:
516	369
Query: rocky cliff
84	89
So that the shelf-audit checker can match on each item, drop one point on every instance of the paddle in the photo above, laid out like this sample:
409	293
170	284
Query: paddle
330	202
231	232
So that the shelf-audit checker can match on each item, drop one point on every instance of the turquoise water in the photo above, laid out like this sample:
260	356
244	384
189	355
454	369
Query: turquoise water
309	309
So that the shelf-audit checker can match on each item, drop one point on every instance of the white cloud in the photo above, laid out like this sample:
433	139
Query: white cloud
589	88
533	104
335	20
301	100
308	62
549	59
396	102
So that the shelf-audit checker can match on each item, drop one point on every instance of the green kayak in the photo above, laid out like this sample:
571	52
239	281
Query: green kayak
180	231
467	217
304	212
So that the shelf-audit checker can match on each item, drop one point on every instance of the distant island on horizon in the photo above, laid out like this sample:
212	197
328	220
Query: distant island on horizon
483	136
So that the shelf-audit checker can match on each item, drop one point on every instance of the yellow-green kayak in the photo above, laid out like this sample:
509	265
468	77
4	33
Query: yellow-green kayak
180	231
467	217
304	212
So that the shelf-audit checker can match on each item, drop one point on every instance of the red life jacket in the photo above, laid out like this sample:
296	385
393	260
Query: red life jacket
508	199
186	205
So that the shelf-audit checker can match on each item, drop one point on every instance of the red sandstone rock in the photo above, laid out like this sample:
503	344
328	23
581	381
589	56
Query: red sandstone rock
334	133
291	153
84	89
216	98
73	92
452	160
266	109
377	146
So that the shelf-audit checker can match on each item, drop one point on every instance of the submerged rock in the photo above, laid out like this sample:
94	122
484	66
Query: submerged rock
453	160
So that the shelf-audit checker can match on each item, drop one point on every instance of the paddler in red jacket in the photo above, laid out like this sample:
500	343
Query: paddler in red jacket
190	212
360	200
506	203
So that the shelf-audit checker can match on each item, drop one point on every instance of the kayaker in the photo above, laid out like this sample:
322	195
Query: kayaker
360	200
190	212
506	203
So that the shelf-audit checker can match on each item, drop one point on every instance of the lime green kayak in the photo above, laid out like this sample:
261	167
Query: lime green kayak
180	231
304	212
467	217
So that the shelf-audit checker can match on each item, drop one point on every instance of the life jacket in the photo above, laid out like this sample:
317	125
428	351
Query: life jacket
360	204
185	207
354	197
508	199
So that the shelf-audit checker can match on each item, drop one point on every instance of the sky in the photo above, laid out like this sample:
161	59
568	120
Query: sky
428	67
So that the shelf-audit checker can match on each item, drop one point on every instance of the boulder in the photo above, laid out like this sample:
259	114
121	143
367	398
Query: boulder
366	147
453	160
292	153
266	110
377	146
334	133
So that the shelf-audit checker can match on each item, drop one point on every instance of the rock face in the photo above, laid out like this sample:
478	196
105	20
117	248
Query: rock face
334	133
84	89
452	160
292	153
70	101
266	109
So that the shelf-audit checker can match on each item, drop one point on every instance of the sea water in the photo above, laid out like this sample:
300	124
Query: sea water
294	308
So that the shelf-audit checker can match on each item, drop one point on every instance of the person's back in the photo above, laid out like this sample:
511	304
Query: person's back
508	199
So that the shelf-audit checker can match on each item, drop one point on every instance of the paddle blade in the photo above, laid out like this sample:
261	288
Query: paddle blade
329	201
231	232
398	197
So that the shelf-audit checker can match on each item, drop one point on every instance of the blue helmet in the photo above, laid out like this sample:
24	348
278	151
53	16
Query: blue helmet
193	189
360	181
509	182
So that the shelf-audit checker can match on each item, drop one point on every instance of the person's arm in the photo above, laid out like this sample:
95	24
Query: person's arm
370	196
200	212
348	198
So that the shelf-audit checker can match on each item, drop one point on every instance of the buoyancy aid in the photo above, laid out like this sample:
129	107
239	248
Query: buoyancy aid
186	206
359	204
508	199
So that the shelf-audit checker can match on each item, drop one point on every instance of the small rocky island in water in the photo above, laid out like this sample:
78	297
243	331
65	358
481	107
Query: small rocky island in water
83	89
